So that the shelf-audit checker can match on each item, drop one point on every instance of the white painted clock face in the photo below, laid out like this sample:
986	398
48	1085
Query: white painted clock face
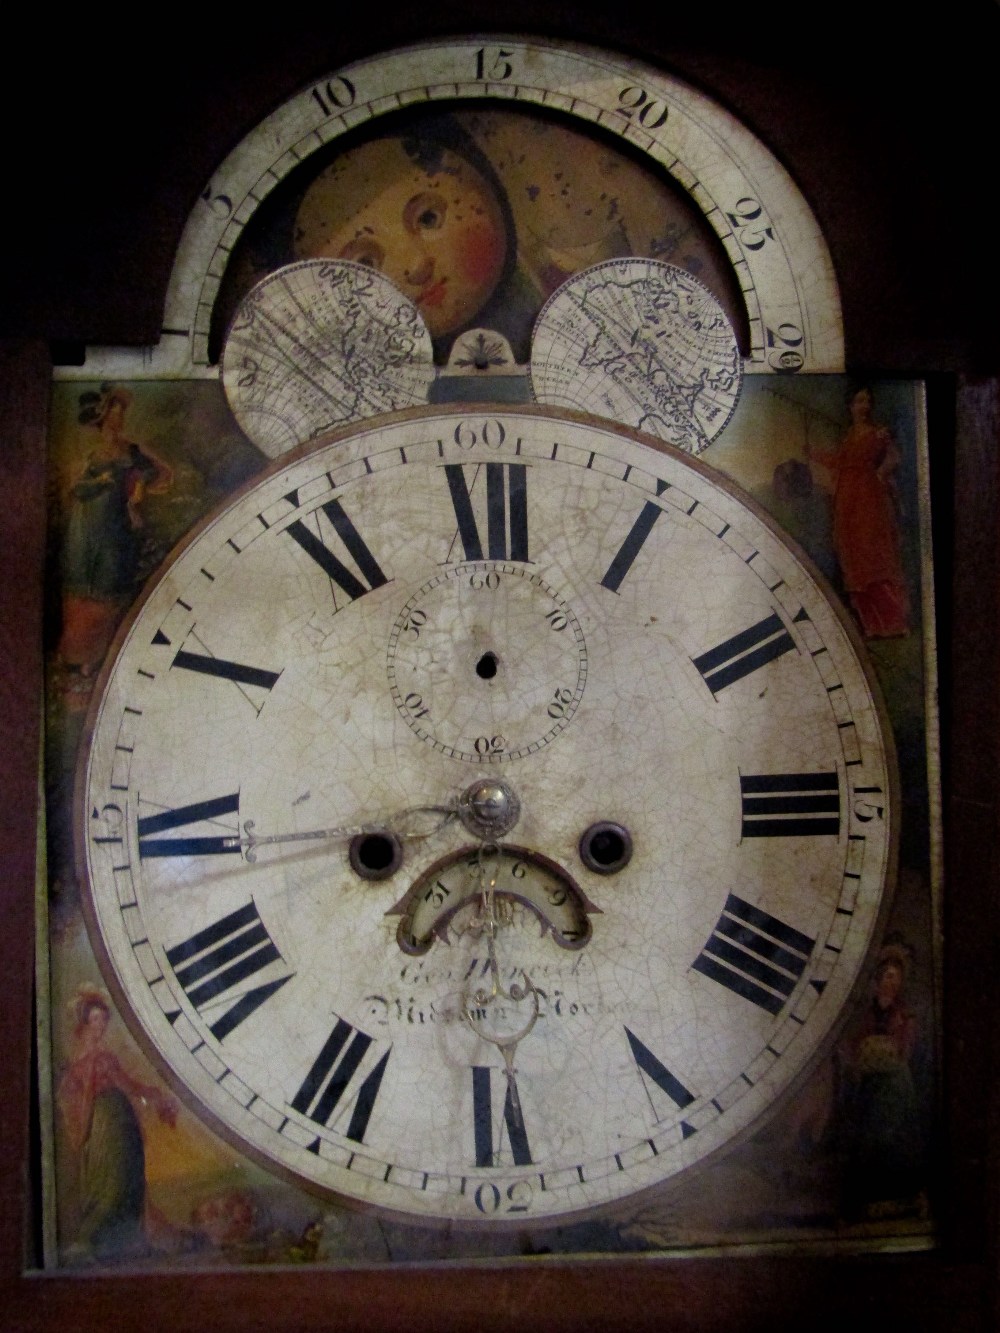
600	629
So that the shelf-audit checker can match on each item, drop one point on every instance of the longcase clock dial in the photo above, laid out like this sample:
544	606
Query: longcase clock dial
487	816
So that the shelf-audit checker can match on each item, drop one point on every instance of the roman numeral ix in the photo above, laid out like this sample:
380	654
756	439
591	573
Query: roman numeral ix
182	817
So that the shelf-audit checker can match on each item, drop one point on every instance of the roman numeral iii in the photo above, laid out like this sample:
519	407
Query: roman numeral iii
782	805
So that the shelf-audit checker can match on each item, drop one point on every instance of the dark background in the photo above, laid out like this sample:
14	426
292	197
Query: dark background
886	115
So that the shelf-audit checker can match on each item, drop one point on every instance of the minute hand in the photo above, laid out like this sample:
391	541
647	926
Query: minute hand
413	822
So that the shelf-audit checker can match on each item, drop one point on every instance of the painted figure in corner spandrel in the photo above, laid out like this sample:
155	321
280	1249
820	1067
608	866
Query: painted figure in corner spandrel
880	1112
866	534
102	543
100	1105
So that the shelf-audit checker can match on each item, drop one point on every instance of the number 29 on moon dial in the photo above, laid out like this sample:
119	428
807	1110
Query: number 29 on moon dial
486	817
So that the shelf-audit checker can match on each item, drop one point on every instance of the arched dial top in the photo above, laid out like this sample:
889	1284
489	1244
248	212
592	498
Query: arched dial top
780	258
630	655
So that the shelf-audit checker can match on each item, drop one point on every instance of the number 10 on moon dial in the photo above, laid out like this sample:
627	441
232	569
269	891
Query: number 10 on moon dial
486	818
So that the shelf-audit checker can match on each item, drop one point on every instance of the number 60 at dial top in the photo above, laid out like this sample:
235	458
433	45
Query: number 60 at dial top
494	1021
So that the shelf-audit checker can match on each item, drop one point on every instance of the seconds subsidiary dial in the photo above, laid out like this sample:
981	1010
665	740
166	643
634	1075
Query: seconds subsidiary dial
486	817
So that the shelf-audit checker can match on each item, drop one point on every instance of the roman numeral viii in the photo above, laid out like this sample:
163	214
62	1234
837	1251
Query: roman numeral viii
331	1080
744	653
186	816
782	805
506	510
215	961
330	563
754	955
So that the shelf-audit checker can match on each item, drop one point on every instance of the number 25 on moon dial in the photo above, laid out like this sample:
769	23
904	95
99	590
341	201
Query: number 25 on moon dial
486	817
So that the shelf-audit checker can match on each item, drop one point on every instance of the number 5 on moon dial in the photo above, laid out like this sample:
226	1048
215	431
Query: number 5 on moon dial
681	842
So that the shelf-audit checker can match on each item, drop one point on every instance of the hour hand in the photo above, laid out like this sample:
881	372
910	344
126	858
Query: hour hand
416	821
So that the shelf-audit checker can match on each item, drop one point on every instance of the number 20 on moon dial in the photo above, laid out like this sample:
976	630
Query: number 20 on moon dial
486	817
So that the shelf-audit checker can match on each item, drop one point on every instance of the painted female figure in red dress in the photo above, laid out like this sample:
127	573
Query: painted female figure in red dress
100	1104
865	526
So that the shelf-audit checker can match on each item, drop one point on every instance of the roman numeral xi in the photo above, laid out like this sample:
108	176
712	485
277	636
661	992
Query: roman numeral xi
329	562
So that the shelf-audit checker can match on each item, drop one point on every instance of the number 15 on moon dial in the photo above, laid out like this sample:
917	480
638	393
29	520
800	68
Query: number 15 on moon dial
486	817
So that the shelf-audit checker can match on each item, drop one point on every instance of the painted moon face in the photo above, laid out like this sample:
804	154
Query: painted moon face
418	212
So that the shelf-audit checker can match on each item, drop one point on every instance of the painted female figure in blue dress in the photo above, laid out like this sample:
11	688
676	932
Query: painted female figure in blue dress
101	544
